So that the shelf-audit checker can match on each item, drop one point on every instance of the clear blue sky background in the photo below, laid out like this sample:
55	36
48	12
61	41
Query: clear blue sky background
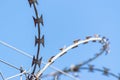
64	21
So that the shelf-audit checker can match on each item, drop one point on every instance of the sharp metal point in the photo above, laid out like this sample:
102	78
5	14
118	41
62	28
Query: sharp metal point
38	20
32	2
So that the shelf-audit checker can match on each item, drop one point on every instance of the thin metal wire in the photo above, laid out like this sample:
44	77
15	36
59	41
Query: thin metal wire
28	55
62	53
100	70
2	76
9	64
86	68
14	48
51	60
24	72
16	75
38	50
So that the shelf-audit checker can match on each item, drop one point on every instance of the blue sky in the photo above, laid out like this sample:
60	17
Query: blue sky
64	21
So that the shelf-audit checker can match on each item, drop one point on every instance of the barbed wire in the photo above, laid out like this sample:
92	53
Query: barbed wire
102	40
85	62
38	40
30	56
37	60
63	51
77	68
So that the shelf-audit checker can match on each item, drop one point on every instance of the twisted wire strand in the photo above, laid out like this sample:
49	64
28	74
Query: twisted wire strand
53	58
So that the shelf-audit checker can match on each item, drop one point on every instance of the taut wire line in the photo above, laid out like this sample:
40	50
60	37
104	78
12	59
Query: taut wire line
28	55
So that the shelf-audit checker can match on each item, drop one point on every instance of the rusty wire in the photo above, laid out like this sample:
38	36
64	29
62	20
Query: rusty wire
76	68
38	40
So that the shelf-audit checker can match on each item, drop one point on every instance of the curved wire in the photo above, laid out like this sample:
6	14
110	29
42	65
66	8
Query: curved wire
52	59
91	69
38	48
28	55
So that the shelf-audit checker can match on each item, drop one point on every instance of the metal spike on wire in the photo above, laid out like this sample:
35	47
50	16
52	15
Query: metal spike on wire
37	60
28	55
38	40
90	68
39	20
64	51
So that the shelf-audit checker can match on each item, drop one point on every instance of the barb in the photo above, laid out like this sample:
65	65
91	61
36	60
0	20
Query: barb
105	71
37	61
28	55
90	68
38	40
64	50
